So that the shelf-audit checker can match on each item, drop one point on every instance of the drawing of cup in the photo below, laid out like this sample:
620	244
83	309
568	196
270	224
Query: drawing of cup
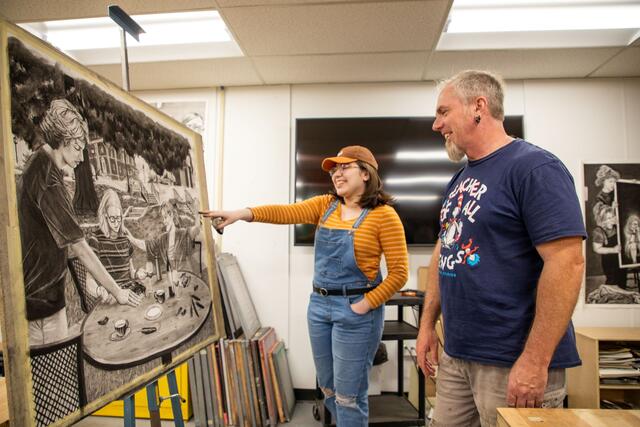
121	326
159	294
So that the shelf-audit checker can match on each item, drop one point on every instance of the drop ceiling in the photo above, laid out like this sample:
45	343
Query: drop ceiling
333	41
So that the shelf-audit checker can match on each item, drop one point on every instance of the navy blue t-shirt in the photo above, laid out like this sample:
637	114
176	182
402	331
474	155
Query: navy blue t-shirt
495	211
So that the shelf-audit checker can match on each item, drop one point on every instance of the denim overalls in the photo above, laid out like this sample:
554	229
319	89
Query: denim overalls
343	342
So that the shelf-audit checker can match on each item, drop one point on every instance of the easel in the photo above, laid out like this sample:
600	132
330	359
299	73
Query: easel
154	401
128	25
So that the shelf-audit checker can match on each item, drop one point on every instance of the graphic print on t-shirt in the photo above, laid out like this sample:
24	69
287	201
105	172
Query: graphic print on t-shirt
452	219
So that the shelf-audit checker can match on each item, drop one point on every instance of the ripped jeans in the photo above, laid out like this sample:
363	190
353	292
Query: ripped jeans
344	344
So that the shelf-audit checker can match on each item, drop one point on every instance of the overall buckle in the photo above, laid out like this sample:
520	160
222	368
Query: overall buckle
323	292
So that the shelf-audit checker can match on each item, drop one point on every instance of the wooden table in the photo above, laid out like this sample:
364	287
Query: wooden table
107	350
537	417
4	407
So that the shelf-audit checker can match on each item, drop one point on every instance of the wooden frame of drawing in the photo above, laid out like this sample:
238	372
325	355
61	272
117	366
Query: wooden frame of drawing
106	181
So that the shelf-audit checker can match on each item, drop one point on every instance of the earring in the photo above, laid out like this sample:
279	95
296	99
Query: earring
477	119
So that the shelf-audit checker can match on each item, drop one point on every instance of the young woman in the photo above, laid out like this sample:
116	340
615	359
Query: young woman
355	226
111	245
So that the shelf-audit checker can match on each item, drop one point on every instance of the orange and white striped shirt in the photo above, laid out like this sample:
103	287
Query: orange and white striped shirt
380	233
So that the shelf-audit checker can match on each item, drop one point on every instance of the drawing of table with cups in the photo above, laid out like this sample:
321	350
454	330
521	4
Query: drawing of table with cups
176	303
173	309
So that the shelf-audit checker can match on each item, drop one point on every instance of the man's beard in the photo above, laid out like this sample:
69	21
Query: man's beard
454	153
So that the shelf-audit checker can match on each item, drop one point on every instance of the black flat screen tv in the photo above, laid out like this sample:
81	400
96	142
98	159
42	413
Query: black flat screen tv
412	161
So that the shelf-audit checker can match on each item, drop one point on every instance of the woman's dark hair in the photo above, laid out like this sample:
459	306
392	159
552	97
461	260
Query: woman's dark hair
373	194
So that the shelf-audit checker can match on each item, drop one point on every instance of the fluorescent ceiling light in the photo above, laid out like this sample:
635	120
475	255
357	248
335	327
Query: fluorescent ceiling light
426	179
97	40
422	155
417	197
300	184
538	39
541	24
473	16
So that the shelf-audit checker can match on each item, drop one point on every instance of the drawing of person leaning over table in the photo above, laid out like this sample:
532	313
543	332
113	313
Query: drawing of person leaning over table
49	229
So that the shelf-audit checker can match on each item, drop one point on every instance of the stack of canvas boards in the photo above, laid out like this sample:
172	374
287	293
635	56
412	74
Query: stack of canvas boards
239	312
242	382
245	380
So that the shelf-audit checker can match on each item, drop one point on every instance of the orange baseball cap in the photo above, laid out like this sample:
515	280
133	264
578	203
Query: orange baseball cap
350	154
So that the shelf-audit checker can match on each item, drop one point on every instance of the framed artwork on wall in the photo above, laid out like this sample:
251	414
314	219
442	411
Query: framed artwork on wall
108	278
612	218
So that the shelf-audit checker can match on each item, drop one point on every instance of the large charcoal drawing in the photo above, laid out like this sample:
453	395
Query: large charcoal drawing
612	217
116	280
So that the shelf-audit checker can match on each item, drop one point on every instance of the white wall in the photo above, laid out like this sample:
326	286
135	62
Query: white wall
578	120
255	171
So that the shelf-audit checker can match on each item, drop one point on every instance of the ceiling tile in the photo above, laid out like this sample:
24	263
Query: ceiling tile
337	28
184	74
520	64
341	68
625	64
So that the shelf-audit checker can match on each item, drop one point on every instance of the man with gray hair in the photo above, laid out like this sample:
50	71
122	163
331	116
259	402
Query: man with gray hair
508	281
49	228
